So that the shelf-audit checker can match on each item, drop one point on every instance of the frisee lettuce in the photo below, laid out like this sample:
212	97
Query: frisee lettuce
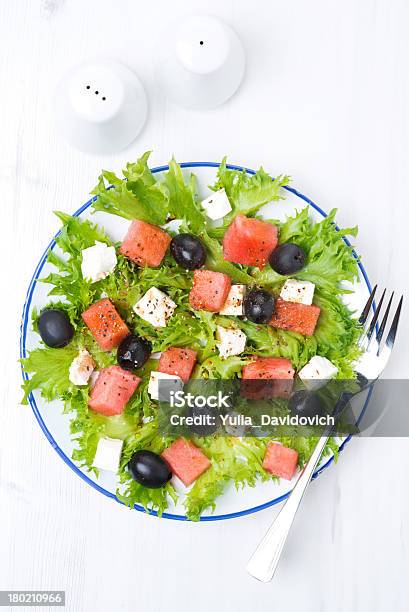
248	193
330	261
139	194
75	235
182	198
49	369
137	197
233	460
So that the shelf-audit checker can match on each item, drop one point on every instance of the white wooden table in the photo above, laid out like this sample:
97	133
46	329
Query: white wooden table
325	99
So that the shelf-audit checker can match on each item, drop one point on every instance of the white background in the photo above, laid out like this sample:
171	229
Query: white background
325	99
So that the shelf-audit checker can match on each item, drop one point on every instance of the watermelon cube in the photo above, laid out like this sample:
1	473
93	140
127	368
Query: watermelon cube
178	361
267	377
249	241
186	460
105	324
145	244
113	389
300	318
209	291
280	460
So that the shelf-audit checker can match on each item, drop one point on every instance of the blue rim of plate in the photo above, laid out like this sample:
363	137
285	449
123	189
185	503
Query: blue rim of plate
67	460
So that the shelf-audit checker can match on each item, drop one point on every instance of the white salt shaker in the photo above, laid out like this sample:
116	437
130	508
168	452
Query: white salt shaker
100	107
200	63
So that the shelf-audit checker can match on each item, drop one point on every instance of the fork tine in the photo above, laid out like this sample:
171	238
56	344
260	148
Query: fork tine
390	340
364	314
372	324
384	320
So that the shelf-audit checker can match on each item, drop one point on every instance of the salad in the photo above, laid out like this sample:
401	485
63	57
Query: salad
197	289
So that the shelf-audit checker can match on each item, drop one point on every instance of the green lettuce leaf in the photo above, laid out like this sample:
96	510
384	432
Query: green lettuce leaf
138	197
182	198
266	341
87	427
215	367
75	235
337	334
49	369
248	192
232	460
239	461
139	170
330	261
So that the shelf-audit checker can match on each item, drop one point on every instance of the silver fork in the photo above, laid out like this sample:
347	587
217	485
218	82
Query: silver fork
369	367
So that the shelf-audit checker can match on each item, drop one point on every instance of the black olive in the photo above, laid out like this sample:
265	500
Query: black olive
258	306
133	352
188	251
287	258
231	393
149	469
305	403
207	417
55	328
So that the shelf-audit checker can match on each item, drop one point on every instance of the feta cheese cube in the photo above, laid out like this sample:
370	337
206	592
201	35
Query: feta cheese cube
108	454
317	371
179	486
301	292
162	391
232	341
155	307
98	261
234	302
217	205
81	368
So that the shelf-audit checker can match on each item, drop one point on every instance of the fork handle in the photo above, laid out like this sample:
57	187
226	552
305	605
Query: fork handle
265	558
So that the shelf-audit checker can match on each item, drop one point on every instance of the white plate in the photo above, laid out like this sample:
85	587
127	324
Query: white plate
55	425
